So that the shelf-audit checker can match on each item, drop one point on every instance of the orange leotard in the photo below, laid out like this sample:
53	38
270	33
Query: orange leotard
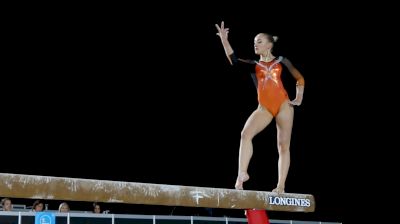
271	93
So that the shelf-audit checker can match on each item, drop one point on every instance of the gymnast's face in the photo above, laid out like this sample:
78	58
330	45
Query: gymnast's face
261	44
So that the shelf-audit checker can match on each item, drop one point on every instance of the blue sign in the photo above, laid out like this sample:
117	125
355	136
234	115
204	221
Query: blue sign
45	218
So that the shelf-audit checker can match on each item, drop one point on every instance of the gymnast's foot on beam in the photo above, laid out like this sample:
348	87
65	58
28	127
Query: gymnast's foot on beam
242	177
279	190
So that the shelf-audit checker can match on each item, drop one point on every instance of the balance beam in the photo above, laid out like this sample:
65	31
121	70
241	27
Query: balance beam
76	189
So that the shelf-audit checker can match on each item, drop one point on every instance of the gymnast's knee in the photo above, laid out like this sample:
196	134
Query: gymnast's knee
246	135
283	147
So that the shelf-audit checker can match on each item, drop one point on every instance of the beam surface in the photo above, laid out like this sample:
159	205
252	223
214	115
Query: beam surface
76	189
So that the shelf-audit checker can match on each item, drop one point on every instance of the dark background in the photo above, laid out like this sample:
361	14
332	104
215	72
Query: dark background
131	94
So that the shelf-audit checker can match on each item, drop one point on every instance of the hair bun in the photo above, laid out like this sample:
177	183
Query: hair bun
275	38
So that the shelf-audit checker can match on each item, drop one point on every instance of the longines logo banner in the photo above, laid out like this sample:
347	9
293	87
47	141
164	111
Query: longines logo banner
302	202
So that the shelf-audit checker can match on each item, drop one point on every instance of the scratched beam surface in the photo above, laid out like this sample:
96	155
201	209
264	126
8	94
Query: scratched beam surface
75	189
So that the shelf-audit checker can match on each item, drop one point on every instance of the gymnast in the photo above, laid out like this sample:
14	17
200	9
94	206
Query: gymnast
273	103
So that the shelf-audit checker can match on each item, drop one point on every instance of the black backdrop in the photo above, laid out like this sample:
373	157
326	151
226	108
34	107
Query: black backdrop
109	93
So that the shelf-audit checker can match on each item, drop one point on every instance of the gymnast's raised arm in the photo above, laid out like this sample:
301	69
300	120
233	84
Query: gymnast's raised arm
223	34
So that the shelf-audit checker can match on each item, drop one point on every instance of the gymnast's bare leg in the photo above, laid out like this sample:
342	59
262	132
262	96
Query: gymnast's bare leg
257	121
284	123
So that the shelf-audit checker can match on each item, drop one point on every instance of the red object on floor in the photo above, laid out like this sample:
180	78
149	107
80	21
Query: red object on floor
256	216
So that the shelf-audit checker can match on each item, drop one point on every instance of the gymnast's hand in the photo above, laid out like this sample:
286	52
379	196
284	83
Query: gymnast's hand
222	31
299	96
